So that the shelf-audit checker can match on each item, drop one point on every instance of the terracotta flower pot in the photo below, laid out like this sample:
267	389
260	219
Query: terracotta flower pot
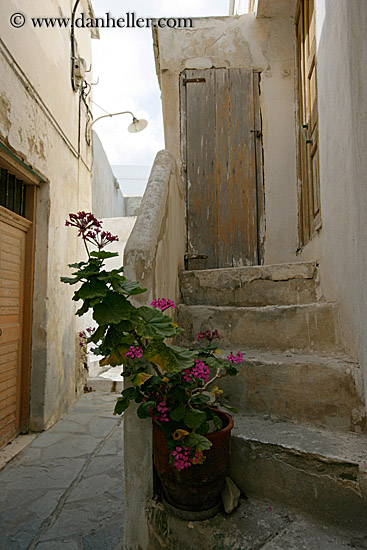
196	488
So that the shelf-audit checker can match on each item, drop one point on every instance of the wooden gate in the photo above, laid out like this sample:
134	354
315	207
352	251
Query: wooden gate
222	157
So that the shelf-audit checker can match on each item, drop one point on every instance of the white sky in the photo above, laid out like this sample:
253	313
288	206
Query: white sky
123	61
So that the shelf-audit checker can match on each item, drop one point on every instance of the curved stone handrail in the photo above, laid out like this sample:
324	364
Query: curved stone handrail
155	249
154	253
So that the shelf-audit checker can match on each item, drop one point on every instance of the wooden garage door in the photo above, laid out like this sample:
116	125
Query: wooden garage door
221	130
13	230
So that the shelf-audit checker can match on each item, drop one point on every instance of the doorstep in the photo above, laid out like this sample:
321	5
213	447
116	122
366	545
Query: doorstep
11	449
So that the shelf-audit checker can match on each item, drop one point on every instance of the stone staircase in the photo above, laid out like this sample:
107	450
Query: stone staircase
300	434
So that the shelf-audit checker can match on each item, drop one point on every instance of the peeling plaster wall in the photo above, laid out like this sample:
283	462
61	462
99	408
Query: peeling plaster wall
341	244
39	115
266	45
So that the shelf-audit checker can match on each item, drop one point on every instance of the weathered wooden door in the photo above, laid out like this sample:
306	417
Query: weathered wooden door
13	231
221	129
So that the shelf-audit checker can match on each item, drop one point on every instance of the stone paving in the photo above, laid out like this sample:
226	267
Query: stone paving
66	489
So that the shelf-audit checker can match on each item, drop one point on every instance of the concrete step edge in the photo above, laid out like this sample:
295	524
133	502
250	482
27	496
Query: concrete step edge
258	357
321	443
263	271
311	305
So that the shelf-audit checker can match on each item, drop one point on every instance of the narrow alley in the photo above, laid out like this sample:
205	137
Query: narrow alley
66	489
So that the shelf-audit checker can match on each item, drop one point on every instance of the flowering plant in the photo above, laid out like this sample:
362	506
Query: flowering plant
172	385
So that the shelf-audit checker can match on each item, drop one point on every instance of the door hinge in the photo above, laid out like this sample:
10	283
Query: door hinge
257	132
187	80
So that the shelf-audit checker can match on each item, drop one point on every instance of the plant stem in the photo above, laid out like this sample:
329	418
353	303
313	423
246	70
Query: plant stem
156	369
218	375
86	248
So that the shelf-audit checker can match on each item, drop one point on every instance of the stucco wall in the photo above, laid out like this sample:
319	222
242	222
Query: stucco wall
340	245
39	121
266	45
153	256
107	199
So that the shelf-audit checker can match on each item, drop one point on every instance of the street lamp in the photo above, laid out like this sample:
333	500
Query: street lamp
135	126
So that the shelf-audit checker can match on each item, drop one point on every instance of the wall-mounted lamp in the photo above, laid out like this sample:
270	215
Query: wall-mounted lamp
135	126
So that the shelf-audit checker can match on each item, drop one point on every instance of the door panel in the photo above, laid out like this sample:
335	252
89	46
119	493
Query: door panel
221	171
12	252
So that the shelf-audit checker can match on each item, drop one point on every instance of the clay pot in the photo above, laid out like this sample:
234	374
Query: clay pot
196	488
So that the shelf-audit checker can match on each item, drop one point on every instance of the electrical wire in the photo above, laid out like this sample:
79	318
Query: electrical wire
72	38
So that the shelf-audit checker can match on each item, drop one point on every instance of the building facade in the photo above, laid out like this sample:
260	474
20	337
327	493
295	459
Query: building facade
277	91
45	160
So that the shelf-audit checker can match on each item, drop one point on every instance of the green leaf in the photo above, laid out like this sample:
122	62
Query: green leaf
200	399
199	442
140	378
98	334
179	394
194	418
69	280
217	422
155	381
91	289
128	393
103	254
153	323
143	411
178	413
203	429
123	286
231	409
169	358
90	269
77	265
113	309
83	309
121	405
124	326
232	370
215	363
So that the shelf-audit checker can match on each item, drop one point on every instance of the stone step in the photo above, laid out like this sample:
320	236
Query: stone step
323	390
314	471
308	327
283	284
254	525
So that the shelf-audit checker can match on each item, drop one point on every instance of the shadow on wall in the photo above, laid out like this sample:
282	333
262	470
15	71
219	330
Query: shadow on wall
107	198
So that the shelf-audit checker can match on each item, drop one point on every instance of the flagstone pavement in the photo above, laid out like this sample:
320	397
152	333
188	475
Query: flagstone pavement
65	490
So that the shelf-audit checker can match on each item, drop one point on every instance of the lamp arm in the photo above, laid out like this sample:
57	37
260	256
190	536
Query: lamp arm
112	114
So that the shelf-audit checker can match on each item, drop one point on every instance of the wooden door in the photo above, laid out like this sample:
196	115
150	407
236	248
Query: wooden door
221	129
13	234
308	154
